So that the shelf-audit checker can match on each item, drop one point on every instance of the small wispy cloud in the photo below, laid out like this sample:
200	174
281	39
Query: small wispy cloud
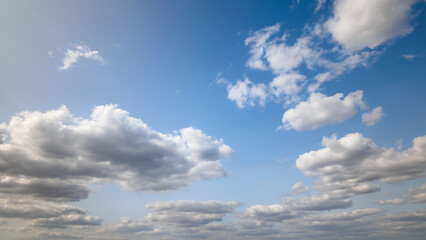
80	51
409	57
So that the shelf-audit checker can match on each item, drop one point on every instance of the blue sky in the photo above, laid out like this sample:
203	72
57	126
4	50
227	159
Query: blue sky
212	119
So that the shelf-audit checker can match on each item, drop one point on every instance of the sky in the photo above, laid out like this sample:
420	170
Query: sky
212	119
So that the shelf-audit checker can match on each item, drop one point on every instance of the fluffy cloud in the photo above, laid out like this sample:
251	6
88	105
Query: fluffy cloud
348	166
320	110
372	117
258	42
246	93
189	213
80	51
72	152
365	23
298	188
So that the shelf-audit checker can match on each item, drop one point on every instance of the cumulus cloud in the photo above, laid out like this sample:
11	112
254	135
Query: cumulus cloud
298	188
365	23
320	110
349	165
71	153
47	159
371	118
189	213
258	41
80	51
246	93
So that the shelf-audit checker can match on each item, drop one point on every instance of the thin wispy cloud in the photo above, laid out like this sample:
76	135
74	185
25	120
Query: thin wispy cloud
80	52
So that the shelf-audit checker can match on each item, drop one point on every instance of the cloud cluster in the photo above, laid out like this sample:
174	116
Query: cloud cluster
351	164
325	50
52	151
50	158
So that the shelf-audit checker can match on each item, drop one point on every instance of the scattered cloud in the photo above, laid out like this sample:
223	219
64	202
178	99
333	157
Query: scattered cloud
80	51
246	93
371	22
320	110
352	164
371	118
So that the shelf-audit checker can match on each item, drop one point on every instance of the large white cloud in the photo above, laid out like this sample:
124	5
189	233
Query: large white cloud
365	23
55	149
320	110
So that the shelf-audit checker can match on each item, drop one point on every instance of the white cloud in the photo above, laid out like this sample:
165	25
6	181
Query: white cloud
80	51
246	93
409	57
298	188
372	117
286	84
110	145
320	110
258	42
365	23
320	4
352	164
